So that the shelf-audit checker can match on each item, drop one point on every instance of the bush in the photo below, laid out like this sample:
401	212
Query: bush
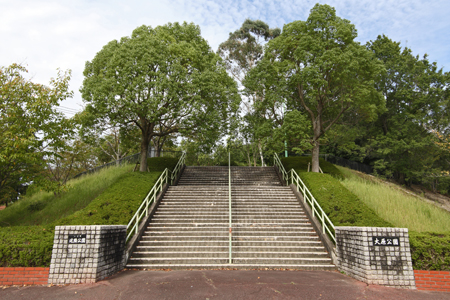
31	246
26	246
342	206
300	165
159	164
117	204
430	251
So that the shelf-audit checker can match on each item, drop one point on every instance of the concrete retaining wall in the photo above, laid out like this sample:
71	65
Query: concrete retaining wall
86	254
376	255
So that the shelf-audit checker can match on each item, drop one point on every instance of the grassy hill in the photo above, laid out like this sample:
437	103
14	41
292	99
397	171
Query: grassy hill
108	197
350	199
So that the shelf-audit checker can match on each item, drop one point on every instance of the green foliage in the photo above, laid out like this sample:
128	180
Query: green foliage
391	203
318	68
159	164
430	251
300	165
117	204
26	246
163	80
342	206
428	225
241	52
31	129
41	208
32	245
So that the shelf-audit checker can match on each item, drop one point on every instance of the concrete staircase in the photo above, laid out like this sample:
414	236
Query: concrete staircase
190	228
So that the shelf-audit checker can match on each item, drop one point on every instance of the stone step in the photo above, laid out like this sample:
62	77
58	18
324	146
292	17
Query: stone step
190	228
242	220
224	259
235	232
234	266
237	238
210	243
235	248
225	254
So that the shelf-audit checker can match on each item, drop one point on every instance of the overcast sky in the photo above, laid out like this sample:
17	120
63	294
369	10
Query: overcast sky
45	35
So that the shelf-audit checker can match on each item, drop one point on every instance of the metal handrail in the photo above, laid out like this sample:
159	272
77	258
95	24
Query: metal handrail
177	168
308	198
151	196
277	162
229	211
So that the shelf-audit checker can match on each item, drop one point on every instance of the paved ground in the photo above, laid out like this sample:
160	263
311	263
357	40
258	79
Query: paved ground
259	285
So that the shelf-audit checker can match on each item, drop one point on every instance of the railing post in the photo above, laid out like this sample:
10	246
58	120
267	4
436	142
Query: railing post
323	223
229	209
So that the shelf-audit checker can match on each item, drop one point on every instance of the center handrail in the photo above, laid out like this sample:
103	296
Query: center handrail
177	168
308	198
143	209
229	210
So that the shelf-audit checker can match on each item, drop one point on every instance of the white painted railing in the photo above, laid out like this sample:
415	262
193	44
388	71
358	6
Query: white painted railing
317	211
143	209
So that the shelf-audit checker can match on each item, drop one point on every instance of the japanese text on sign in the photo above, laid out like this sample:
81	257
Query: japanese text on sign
77	239
385	241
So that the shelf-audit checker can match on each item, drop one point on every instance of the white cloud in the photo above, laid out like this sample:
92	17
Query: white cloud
50	34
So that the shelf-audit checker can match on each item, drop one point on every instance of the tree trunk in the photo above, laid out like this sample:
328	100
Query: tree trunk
260	153
315	157
144	150
316	145
158	151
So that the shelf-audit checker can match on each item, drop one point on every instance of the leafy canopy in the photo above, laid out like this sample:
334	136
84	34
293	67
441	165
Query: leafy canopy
31	129
164	75
320	70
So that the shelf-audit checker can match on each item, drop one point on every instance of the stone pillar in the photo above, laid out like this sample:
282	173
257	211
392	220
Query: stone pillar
86	254
376	255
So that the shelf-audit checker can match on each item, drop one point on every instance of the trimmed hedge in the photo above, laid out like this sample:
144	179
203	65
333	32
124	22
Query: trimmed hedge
31	246
430	251
117	204
159	164
300	165
26	246
342	206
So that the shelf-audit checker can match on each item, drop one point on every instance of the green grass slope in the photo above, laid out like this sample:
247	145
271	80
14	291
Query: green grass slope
114	203
41	208
342	206
349	199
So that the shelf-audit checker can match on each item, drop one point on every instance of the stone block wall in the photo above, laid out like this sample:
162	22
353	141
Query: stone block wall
86	254
376	255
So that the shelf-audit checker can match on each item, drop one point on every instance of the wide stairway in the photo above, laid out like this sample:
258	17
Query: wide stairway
190	228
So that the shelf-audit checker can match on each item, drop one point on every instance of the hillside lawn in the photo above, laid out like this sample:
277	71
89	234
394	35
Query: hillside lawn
108	197
351	200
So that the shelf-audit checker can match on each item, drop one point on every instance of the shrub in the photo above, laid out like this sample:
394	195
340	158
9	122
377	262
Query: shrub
159	164
430	251
117	204
26	246
31	246
342	206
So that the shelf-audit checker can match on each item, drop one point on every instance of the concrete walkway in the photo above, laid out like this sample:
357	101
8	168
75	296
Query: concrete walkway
132	284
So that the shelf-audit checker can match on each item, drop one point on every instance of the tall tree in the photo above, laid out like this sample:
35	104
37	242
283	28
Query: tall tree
417	102
31	129
324	71
158	74
241	52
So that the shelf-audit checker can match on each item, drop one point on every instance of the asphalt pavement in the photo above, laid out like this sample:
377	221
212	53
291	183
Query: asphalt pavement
220	284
